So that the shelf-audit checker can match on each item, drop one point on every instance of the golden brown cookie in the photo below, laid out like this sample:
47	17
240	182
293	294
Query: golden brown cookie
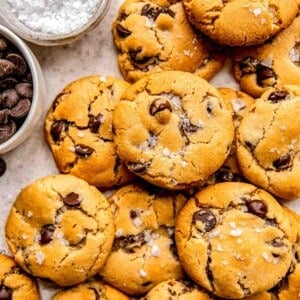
241	22
276	62
268	142
177	290
60	228
230	235
91	290
173	129
143	252
155	35
78	129
14	283
239	103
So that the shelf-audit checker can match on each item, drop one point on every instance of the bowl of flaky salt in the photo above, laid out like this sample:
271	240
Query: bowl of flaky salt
52	22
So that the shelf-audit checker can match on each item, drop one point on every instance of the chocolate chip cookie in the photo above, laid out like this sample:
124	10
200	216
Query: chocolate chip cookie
177	290
241	22
91	290
154	36
60	228
143	252
78	129
230	235
276	62
239	103
173	129
14	283
268	142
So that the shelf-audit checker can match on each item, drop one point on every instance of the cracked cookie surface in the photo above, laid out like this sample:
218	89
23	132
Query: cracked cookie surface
14	283
276	62
241	22
268	145
177	290
92	290
154	36
232	230
239	103
173	129
78	129
143	252
60	228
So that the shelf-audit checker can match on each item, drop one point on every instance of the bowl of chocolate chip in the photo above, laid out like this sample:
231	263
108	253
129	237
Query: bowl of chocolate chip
22	91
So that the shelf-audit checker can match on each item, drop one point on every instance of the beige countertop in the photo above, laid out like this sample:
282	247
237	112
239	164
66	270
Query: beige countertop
93	54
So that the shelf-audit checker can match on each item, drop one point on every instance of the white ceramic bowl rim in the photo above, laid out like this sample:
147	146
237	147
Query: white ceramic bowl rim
26	52
52	39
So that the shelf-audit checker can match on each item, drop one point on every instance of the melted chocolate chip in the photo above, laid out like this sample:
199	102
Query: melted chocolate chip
56	129
153	12
5	293
133	214
94	122
248	65
224	174
209	108
135	56
47	234
137	167
122	31
19	62
7	131
2	166
277	243
72	199
188	127
21	109
158	105
257	207
129	242
263	73
207	217
278	96
83	150
283	163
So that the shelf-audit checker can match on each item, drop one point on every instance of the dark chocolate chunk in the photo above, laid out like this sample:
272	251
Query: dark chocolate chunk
21	109
47	234
95	122
207	217
5	293
158	105
263	73
4	115
83	150
8	83
133	214
129	242
3	44
7	68
72	199
153	12
277	243
2	166
122	31
278	96
7	131
56	129
10	98
188	127
19	62
209	108
248	65
24	89
283	163
136	57
257	207
138	167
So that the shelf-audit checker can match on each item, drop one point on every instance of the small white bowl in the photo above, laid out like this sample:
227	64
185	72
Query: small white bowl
45	39
38	93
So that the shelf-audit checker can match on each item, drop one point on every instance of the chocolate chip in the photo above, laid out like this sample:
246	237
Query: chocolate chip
7	131
154	12
27	77
2	166
21	109
168	11
47	234
257	207
71	199
224	174
207	217
138	167
158	105
122	31
4	115
263	73
83	150
278	96
56	129
10	98
19	62
209	108
95	122
129	242
277	243
7	68
187	126
133	214
283	163
5	293
3	44
248	65
8	83
135	56
24	89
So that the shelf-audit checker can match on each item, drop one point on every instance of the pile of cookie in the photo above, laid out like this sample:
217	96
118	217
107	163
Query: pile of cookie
198	174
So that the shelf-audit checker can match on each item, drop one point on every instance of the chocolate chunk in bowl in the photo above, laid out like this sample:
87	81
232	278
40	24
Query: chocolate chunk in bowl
22	91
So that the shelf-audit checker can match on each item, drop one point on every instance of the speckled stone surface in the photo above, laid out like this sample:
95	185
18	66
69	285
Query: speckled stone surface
93	54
